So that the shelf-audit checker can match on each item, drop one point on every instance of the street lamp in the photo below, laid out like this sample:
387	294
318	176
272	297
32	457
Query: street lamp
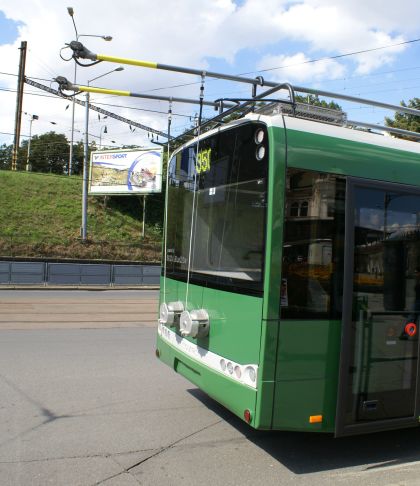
86	156
100	135
104	37
31	119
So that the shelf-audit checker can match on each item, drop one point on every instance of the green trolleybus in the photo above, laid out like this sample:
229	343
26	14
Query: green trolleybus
290	288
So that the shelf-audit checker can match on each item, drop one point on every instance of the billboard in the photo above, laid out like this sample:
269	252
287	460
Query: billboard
136	171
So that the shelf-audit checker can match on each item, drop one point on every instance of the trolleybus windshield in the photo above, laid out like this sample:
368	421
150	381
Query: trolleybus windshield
217	202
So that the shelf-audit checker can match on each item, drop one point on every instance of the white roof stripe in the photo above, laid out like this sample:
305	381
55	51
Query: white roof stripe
327	130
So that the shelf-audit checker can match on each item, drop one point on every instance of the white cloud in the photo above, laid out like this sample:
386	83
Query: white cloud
335	30
299	68
188	33
383	15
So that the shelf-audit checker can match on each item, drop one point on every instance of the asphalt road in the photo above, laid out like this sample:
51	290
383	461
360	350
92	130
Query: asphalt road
83	401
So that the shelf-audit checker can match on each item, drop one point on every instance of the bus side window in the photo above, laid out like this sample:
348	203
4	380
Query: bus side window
313	249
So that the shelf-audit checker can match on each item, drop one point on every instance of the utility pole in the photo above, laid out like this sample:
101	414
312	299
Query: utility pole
83	229
19	99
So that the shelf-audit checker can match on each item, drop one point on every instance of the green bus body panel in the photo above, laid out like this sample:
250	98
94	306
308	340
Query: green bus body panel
235	329
308	352
233	395
235	334
298	359
273	262
307	374
329	154
275	210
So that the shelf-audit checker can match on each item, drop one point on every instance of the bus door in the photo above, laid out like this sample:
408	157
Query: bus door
379	363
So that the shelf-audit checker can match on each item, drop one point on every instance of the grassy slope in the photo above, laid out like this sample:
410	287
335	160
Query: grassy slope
40	215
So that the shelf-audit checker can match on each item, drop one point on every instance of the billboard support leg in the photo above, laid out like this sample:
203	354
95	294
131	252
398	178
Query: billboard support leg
144	216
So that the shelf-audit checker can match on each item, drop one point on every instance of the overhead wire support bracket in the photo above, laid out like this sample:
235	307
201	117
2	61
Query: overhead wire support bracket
203	79
169	125
242	106
259	81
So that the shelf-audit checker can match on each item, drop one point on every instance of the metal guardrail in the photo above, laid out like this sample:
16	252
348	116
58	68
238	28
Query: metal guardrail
45	273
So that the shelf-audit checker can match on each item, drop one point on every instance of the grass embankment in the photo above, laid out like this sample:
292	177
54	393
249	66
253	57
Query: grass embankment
40	216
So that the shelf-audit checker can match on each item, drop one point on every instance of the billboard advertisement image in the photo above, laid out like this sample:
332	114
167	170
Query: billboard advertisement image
136	171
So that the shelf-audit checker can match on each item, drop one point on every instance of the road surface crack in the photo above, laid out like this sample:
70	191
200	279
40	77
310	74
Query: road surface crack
157	453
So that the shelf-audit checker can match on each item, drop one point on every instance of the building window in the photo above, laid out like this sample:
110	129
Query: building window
294	209
303	209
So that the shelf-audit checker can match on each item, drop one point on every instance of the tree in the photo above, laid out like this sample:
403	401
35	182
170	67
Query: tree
406	121
78	156
6	156
314	100
49	153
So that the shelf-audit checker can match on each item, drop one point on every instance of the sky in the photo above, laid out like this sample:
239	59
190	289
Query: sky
303	42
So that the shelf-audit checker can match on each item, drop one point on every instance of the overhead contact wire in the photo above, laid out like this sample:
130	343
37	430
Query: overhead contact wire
193	219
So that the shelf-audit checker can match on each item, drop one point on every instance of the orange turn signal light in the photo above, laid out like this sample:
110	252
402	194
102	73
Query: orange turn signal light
315	419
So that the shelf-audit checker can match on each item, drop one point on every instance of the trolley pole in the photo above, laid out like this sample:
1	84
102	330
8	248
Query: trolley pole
81	52
19	99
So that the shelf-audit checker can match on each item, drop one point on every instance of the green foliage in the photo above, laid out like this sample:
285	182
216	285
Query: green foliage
78	156
6	156
40	215
49	153
406	121
314	100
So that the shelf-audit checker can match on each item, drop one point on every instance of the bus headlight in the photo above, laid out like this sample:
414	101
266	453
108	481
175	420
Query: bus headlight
259	136
195	323
251	374
260	152
168	312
